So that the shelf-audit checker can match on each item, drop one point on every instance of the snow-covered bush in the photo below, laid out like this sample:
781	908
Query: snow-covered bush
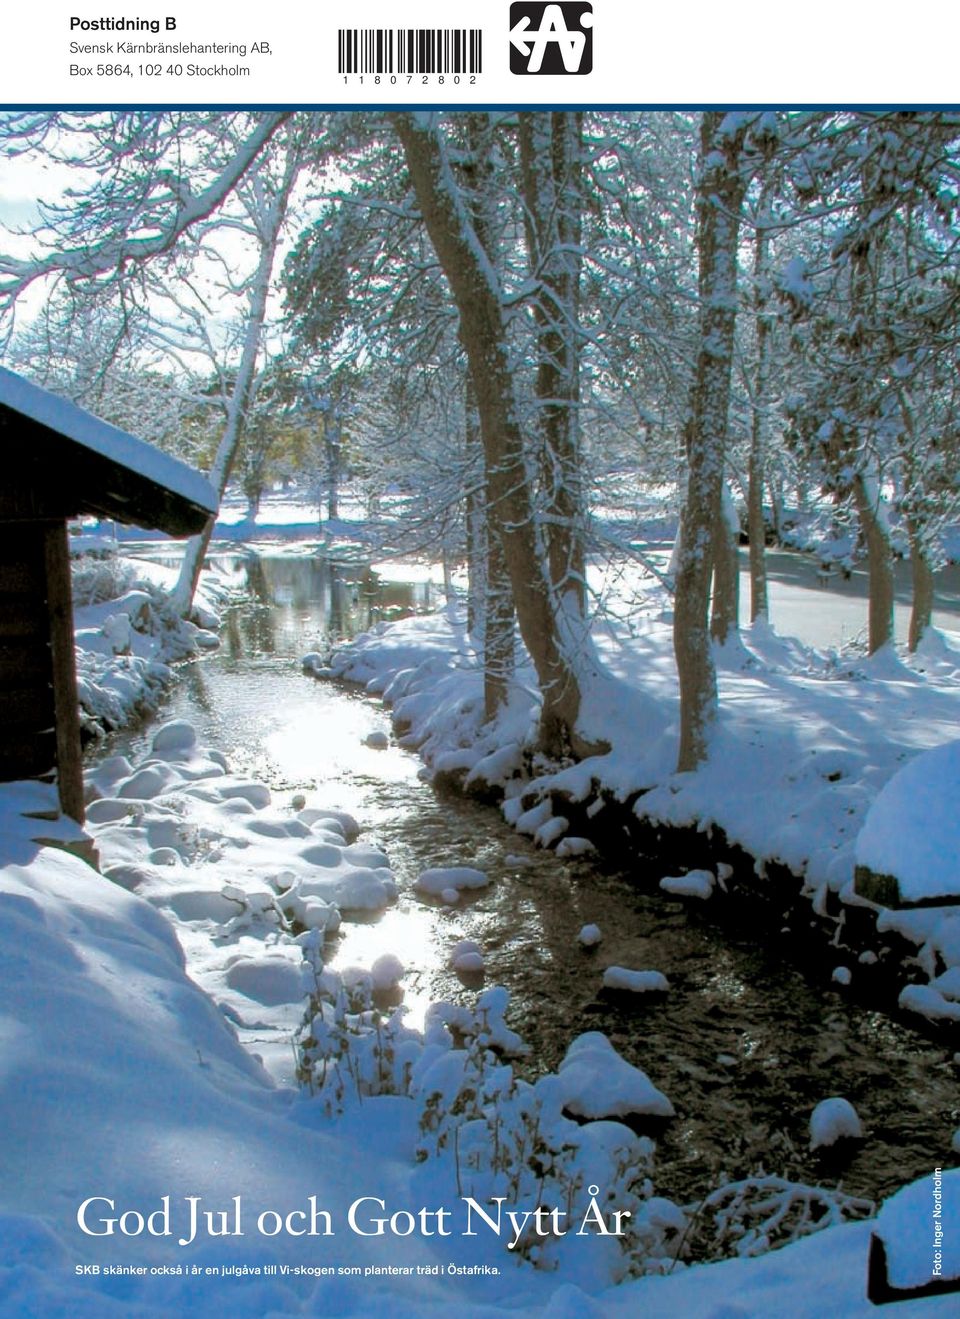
762	1213
509	1141
127	635
500	1136
96	578
348	1048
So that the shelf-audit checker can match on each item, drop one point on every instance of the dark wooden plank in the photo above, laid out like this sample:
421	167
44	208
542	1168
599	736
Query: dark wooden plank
69	764
25	662
40	493
26	708
23	625
20	576
27	755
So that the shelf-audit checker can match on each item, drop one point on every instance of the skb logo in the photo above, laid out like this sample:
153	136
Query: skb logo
551	38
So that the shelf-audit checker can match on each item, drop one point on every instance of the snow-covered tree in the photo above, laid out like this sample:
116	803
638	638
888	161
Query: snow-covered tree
559	658
879	336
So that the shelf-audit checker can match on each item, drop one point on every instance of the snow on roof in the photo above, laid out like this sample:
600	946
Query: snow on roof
83	428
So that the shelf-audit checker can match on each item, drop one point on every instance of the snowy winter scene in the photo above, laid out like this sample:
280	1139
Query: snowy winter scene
480	713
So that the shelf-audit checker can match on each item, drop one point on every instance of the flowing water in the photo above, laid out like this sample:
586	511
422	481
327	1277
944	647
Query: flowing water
745	1043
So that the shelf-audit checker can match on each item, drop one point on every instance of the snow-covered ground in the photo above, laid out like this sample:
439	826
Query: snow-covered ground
153	1166
149	1016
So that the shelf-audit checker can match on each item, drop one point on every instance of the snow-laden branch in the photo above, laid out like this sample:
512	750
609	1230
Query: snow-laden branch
113	253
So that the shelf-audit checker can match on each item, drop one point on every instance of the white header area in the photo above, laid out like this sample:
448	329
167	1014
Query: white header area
409	52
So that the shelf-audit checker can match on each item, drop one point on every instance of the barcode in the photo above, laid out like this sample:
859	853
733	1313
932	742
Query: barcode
410	50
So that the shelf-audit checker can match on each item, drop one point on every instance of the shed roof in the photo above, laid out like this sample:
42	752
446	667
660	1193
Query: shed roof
85	465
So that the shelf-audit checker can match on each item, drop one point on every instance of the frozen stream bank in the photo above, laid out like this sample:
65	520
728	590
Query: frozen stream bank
743	1044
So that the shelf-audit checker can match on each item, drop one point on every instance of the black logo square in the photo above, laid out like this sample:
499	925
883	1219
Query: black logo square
551	38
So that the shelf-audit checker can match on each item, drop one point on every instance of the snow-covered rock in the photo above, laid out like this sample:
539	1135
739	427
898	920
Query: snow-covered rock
694	884
551	831
322	818
350	888
531	821
572	846
589	936
441	880
174	740
386	972
596	1082
107	810
257	794
467	957
150	781
635	982
832	1120
267	979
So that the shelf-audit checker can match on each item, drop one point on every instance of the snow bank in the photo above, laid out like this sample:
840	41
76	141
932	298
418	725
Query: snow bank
123	1080
912	829
127	635
917	1226
813	741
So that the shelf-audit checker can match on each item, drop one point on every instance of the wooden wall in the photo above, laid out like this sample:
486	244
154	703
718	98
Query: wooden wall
27	708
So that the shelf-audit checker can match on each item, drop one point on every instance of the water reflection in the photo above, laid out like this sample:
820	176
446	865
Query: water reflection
297	604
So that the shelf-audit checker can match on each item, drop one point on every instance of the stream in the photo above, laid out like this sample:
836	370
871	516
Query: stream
745	1044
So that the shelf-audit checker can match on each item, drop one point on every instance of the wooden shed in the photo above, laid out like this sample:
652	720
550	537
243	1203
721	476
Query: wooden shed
61	462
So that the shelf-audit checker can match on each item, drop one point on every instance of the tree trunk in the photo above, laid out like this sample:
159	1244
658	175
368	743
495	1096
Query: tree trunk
775	490
725	611
921	612
499	651
865	259
494	614
720	191
490	614
240	399
757	536
550	155
866	493
475	520
756	530
332	440
912	457
476	290
244	390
